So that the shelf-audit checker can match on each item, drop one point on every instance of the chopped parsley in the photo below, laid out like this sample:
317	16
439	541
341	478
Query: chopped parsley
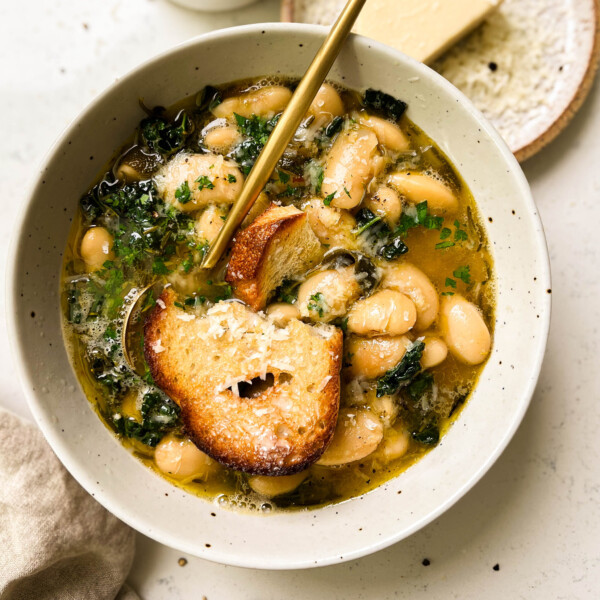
231	178
327	200
317	304
450	282
183	193
204	183
463	273
257	131
283	176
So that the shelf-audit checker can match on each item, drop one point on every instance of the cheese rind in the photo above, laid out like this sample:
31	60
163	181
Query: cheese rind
423	29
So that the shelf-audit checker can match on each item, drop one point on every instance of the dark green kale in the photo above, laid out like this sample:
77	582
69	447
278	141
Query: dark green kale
208	98
384	104
287	291
164	136
386	244
75	314
159	416
402	373
428	435
334	127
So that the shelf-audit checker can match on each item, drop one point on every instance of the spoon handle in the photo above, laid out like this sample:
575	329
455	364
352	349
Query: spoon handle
286	127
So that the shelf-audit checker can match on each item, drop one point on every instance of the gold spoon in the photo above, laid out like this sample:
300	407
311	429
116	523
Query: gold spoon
286	127
131	307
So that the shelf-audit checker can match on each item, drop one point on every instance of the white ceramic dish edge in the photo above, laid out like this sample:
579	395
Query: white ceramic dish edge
61	445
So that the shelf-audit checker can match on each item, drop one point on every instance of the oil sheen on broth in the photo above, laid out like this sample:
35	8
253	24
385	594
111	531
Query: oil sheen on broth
408	226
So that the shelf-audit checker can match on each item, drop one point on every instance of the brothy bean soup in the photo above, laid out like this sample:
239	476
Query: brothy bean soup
337	339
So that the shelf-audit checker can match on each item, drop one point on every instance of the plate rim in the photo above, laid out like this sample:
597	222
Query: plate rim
559	124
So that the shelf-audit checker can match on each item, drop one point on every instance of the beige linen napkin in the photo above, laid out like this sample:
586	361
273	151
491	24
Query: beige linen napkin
56	541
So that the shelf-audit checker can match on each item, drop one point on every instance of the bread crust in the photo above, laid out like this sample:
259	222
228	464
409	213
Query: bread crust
199	362
267	252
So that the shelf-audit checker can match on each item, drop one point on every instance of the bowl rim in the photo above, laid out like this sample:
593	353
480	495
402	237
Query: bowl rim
57	443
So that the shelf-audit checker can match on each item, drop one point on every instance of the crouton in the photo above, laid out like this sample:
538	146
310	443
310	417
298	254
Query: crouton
278	245
254	396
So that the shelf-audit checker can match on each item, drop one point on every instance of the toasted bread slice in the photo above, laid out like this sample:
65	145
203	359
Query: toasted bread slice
205	362
279	244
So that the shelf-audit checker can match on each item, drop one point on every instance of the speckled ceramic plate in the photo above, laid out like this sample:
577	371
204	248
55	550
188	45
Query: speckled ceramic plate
338	532
528	68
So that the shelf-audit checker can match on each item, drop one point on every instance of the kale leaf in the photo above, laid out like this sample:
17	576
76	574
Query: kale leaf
402	373
166	137
159	415
385	104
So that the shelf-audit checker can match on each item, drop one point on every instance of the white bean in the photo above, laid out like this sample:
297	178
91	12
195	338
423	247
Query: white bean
434	353
372	357
388	134
203	178
357	434
385	203
211	221
282	313
182	460
385	408
221	139
395	444
464	330
333	226
350	167
265	102
418	187
385	312
276	486
327	295
96	247
327	103
410	280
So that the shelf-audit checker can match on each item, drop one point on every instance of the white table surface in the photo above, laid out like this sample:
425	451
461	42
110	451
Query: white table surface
537	512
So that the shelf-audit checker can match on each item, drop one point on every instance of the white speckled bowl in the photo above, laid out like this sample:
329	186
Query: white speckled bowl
338	532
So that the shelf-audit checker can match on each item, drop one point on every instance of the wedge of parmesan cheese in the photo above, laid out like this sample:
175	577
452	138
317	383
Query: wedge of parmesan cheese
423	29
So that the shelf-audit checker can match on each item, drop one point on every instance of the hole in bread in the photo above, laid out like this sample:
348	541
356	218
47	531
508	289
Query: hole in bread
256	387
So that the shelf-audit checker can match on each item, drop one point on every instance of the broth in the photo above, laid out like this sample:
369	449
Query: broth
152	243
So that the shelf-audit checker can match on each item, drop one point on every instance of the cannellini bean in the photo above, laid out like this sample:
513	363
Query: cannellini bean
282	313
388	133
182	460
333	226
395	444
265	102
386	312
221	139
410	280
327	104
385	203
349	167
372	357
357	434
210	178
418	187
464	330
434	353
385	408
276	486
211	221
327	295
96	247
